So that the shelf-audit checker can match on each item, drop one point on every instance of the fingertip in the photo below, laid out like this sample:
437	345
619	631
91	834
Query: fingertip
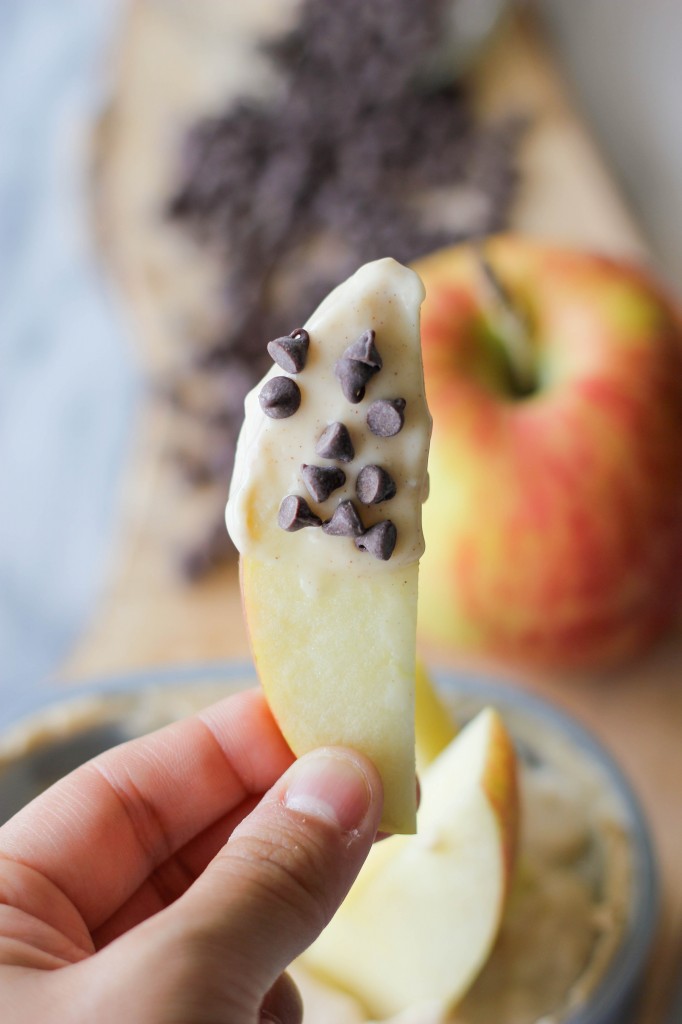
337	785
283	1003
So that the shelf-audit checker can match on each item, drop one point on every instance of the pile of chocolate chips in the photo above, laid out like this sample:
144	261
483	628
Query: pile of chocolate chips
294	193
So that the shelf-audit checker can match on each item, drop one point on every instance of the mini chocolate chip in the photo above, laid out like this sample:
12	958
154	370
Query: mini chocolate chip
322	480
373	485
345	521
280	397
334	443
353	377
291	352
365	351
385	416
379	540
294	514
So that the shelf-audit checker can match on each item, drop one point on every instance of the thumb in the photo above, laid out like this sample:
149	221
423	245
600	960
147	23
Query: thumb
283	873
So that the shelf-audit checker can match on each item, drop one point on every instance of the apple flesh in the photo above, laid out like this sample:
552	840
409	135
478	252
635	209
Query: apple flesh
435	727
554	525
421	919
338	669
399	715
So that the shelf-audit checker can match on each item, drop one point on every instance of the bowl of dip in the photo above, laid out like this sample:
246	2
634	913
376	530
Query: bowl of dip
582	911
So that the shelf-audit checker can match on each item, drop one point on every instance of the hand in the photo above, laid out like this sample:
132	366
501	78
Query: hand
173	879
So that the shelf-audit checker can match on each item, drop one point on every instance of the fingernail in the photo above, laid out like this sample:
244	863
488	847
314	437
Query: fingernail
331	786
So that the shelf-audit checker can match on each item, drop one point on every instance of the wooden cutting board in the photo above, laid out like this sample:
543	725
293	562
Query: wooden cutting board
171	64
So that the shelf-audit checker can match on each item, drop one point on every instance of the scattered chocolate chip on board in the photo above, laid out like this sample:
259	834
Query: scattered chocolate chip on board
332	161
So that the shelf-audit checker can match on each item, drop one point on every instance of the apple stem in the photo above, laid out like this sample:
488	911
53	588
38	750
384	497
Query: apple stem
513	333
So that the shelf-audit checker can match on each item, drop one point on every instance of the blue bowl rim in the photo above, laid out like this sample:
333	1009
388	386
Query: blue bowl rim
609	1001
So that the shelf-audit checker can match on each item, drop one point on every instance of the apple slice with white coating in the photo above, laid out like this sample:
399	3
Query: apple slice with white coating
325	509
421	919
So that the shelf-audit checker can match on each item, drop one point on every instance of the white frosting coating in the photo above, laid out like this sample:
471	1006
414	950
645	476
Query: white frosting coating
384	296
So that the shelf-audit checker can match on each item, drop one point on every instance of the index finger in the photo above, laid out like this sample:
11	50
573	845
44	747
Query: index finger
99	832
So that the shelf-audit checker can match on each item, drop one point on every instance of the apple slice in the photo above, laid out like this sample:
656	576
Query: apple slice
421	919
325	509
344	675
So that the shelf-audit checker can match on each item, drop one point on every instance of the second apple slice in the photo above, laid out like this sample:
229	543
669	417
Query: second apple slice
420	921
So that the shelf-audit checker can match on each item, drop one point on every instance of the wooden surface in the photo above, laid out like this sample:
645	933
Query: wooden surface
149	618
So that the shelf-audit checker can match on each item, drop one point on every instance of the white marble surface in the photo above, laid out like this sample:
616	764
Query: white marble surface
67	381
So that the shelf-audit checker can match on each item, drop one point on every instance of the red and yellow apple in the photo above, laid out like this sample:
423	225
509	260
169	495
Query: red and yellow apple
554	524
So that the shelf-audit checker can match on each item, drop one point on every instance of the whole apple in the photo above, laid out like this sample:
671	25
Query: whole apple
554	523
